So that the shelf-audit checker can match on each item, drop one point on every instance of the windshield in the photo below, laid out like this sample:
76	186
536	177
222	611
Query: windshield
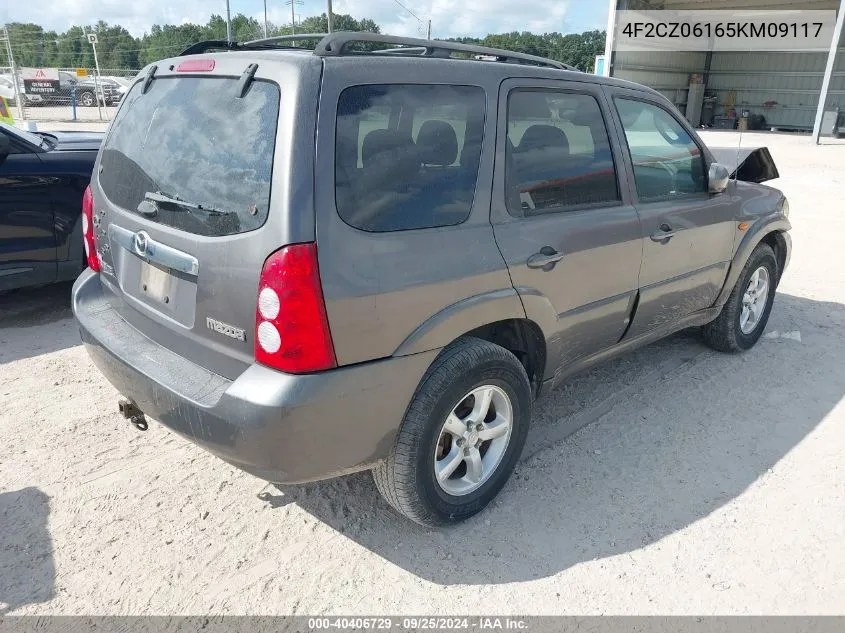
34	139
193	139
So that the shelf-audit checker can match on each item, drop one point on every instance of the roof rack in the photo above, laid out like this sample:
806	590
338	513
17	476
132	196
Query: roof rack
253	45
404	50
335	45
286	38
207	45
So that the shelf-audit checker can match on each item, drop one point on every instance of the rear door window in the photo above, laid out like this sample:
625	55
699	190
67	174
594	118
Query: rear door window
407	155
558	154
192	155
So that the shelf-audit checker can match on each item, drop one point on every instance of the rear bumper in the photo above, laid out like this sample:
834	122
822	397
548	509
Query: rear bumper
279	427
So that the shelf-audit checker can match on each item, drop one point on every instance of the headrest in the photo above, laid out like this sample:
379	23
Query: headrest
437	143
541	137
379	141
529	105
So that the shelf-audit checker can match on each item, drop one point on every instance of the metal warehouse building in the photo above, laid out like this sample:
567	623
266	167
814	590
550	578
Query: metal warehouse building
779	90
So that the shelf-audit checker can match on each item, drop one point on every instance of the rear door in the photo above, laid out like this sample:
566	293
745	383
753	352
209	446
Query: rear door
562	214
687	233
196	184
403	232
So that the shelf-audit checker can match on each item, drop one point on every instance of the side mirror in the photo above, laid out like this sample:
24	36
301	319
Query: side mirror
5	147
718	177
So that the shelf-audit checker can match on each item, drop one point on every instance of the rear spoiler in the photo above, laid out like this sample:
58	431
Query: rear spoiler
747	164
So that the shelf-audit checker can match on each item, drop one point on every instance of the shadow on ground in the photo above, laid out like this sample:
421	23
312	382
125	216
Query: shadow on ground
671	433
36	321
27	572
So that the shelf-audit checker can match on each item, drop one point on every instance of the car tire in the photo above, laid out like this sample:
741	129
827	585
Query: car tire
87	99
415	478
739	327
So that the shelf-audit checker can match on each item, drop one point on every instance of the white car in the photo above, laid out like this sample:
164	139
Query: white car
7	88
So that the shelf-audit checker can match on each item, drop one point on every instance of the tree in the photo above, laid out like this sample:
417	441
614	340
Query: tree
576	49
118	49
320	24
30	45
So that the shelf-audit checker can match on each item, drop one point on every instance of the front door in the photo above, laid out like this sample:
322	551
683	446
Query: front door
562	215
687	233
27	238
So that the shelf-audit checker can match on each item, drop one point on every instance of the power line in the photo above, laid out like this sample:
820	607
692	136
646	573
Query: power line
72	38
409	11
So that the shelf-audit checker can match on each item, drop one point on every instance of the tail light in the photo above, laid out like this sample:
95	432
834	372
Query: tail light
88	234
291	327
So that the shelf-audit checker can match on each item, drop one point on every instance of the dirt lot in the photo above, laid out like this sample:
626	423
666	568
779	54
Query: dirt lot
694	482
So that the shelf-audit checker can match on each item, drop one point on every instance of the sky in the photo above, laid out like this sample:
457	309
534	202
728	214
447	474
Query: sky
450	18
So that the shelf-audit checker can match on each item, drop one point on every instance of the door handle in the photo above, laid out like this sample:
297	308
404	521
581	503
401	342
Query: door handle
663	235
545	259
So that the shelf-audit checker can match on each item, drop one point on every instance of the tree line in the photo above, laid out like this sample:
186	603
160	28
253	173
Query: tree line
32	45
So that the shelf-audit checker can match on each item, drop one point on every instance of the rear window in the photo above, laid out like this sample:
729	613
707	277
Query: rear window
193	141
407	155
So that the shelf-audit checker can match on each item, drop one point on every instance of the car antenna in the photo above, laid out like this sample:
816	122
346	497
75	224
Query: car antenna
738	148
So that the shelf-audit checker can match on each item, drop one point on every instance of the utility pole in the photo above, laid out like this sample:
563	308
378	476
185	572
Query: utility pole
293	4
265	19
8	41
98	92
292	18
329	14
228	23
429	30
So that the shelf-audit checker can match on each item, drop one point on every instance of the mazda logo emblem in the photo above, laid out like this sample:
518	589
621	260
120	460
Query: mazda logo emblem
141	242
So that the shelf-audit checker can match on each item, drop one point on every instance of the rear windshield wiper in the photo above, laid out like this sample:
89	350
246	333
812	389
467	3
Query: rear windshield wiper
149	205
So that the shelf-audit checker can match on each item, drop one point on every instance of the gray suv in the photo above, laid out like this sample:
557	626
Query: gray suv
316	262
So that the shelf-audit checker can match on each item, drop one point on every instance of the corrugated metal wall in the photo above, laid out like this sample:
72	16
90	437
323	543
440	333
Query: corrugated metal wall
791	80
666	72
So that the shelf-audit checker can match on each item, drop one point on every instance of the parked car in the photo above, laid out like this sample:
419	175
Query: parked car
42	179
463	235
7	89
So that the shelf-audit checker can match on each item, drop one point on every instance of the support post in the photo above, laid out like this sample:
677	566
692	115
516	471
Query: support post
828	72
608	40
18	96
98	89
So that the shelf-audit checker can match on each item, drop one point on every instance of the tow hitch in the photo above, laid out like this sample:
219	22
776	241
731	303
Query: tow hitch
131	412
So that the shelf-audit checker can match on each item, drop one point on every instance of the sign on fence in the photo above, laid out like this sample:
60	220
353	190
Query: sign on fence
81	72
5	113
40	81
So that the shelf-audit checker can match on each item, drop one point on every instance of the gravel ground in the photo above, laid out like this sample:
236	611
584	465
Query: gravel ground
674	480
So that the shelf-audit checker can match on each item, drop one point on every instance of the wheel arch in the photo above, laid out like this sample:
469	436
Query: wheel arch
778	241
511	330
773	232
524	339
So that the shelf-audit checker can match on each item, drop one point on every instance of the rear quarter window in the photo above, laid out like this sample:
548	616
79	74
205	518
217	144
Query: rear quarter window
193	139
407	155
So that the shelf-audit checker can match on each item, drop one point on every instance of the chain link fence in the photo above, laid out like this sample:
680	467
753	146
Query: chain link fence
67	94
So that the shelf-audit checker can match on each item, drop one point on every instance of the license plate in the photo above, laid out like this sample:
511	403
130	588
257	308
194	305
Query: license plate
156	283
